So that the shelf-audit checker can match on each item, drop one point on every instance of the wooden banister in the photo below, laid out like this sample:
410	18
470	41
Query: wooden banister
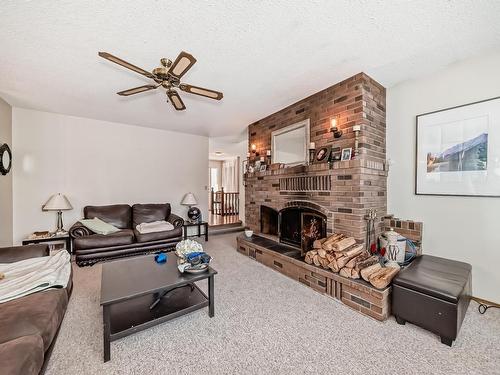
223	203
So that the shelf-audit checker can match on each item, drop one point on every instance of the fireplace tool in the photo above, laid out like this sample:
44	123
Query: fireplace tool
370	218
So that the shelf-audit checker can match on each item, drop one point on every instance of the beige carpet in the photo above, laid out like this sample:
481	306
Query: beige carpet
266	323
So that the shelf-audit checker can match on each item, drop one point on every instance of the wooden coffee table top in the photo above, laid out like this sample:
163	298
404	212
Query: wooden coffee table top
134	277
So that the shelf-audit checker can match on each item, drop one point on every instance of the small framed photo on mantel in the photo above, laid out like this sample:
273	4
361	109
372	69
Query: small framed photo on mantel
346	154
458	150
322	154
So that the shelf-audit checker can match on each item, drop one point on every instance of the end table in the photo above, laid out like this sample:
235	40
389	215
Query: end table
200	224
61	237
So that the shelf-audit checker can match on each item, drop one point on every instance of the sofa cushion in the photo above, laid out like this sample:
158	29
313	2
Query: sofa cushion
37	314
98	226
122	237
438	277
22	356
147	237
147	213
118	215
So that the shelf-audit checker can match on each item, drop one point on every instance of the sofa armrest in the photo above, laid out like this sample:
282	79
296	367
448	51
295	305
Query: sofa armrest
79	230
175	220
17	253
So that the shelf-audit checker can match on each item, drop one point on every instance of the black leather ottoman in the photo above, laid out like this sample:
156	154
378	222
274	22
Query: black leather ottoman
433	293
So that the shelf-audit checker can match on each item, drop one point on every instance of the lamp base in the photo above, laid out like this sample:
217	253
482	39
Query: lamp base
60	230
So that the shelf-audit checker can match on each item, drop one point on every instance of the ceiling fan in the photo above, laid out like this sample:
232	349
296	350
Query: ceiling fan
168	75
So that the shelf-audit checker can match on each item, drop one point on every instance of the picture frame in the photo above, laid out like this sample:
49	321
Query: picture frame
263	168
346	154
457	150
335	156
322	154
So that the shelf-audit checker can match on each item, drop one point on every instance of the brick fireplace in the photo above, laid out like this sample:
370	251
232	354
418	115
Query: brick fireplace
339	193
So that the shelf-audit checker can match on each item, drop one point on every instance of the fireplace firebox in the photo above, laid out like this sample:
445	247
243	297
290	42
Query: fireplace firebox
300	226
295	226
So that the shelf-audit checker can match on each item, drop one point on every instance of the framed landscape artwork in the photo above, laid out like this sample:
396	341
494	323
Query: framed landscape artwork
458	150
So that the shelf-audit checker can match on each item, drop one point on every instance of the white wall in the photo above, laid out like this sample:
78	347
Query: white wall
96	163
465	229
6	181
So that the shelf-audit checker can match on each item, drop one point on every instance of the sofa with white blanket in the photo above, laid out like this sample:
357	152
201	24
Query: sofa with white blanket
142	228
29	322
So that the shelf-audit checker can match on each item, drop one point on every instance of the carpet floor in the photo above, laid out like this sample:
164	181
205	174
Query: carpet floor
266	323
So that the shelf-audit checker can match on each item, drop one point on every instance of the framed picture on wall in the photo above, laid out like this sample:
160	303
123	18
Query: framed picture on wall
458	150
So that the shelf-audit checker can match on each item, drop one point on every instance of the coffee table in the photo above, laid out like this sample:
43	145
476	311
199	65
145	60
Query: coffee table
130	287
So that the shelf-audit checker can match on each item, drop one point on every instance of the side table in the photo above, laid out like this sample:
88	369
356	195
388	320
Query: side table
199	225
62	237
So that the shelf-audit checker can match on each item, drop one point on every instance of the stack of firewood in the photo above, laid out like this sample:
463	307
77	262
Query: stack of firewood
343	255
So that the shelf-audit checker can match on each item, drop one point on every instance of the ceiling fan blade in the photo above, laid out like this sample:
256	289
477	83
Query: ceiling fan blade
201	91
125	64
137	90
176	100
182	64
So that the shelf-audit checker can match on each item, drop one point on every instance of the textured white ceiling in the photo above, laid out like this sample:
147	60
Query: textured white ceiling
263	55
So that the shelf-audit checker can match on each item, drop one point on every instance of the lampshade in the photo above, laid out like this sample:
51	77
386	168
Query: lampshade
189	200
57	202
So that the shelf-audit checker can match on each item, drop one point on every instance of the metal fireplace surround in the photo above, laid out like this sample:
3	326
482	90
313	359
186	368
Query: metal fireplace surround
294	226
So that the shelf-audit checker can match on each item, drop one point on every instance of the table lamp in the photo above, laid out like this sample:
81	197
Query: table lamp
58	202
194	213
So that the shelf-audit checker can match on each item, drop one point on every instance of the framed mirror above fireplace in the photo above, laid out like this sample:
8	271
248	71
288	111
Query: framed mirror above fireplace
289	145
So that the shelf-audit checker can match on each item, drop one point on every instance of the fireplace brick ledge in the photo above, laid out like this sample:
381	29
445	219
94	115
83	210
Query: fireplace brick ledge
357	294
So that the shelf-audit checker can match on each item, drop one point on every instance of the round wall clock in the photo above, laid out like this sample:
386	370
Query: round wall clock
5	159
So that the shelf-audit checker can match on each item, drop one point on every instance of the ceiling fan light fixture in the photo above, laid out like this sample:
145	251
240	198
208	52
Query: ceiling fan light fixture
168	75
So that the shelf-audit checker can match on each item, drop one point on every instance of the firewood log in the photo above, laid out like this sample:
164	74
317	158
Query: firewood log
358	258
348	255
354	274
316	260
330	257
328	245
308	258
334	266
324	262
383	277
346	272
313	252
366	263
333	238
322	253
344	244
317	243
366	272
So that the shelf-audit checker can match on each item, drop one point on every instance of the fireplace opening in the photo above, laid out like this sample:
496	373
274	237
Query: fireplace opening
268	221
300	226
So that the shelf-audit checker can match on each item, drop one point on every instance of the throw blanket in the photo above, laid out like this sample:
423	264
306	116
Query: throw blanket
33	275
155	226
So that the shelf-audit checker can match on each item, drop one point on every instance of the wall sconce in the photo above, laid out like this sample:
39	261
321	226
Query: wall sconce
253	147
334	129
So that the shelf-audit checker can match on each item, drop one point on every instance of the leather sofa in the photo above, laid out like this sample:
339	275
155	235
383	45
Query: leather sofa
90	248
29	325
